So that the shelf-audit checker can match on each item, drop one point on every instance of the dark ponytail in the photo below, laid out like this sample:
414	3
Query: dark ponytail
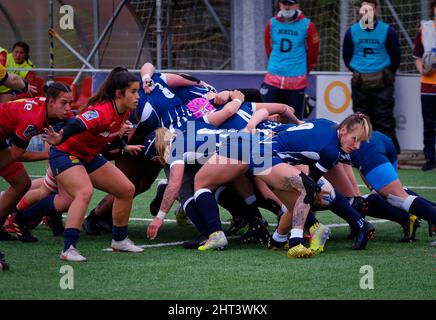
119	79
54	89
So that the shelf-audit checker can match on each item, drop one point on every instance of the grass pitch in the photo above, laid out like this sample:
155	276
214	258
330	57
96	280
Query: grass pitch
242	272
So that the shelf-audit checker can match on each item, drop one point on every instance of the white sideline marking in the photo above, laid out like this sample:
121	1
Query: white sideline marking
340	225
179	243
408	187
165	244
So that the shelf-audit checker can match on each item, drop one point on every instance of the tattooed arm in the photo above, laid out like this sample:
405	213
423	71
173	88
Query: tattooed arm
170	195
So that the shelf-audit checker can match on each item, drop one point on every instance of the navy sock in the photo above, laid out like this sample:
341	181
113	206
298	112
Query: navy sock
253	211
341	207
269	204
295	242
310	221
93	216
119	233
413	193
380	208
45	207
208	209
422	209
71	236
230	200
192	212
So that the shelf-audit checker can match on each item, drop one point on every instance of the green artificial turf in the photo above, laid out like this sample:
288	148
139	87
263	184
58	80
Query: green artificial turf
243	271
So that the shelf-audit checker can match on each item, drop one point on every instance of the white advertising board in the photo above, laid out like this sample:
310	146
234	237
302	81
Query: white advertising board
333	96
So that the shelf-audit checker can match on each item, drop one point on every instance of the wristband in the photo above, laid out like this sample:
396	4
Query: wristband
161	214
145	76
240	102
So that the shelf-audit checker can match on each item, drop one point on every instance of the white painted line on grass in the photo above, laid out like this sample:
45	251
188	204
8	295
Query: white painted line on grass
409	187
35	176
340	225
179	243
166	244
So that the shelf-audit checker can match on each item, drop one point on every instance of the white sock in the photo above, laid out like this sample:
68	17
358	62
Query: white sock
279	237
296	233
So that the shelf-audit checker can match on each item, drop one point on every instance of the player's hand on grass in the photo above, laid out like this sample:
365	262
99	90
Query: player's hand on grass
154	227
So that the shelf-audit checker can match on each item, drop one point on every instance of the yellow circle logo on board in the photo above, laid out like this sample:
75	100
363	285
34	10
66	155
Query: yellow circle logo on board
330	106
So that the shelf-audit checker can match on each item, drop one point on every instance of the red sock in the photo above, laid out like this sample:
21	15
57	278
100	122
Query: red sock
22	205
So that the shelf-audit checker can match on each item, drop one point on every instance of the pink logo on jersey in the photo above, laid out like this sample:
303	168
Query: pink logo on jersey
200	107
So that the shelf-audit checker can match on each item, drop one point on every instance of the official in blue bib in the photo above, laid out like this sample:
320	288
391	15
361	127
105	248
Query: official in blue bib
371	50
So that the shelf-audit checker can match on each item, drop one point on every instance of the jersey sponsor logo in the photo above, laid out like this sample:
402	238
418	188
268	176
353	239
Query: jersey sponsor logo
73	159
288	32
368	41
89	115
30	131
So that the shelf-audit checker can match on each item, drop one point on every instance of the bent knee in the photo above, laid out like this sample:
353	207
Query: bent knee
84	195
201	181
127	191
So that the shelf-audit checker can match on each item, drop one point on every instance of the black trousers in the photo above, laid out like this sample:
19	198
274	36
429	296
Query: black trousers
428	103
293	98
379	106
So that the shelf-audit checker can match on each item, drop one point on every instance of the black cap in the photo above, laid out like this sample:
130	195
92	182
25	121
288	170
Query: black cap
149	146
289	1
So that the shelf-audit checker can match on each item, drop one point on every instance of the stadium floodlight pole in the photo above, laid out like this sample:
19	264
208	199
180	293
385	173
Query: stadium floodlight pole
144	36
158	35
217	20
167	36
344	10
96	25
101	38
54	34
51	24
400	24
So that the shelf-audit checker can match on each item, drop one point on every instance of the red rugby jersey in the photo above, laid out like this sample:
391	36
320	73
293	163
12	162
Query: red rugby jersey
24	119
103	123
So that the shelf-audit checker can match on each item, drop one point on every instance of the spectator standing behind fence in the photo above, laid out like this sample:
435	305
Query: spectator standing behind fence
292	48
371	50
425	55
18	59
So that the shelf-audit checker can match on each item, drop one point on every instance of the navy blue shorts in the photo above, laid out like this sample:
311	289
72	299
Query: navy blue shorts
61	161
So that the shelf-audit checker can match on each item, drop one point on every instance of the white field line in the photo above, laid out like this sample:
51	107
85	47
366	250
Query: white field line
179	243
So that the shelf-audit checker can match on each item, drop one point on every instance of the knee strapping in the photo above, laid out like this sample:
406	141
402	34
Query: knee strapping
186	202
401	203
311	188
218	192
